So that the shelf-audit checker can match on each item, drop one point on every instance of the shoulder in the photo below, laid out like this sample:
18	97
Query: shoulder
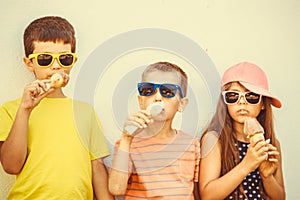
181	134
12	103
210	141
210	136
81	106
11	106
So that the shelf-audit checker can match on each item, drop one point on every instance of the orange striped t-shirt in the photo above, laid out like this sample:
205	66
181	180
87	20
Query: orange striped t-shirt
163	168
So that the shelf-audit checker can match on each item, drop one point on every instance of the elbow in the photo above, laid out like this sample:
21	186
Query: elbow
11	170
206	195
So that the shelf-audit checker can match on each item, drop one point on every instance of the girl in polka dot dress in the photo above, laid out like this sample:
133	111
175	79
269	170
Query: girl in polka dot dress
231	166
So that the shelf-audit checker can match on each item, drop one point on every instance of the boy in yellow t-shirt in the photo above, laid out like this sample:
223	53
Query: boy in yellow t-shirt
153	160
53	144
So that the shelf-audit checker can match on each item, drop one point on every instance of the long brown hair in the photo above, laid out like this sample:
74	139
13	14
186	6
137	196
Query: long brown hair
222	123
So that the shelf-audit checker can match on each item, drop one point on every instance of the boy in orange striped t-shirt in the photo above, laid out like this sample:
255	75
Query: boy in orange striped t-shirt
152	160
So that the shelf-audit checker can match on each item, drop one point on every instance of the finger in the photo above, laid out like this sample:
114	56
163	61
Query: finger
261	146
267	156
273	160
141	117
145	113
43	85
272	148
273	153
33	90
134	123
142	122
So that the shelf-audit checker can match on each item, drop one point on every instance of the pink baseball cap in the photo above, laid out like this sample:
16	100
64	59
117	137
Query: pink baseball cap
252	78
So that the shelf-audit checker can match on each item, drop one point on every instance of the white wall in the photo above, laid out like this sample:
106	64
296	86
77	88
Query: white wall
263	32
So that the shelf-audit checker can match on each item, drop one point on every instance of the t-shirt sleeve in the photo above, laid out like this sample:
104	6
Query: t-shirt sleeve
6	122
98	146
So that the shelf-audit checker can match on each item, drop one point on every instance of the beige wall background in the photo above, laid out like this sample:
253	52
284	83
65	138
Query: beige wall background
263	32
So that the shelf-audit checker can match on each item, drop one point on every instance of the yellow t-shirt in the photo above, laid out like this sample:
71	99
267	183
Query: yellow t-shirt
63	137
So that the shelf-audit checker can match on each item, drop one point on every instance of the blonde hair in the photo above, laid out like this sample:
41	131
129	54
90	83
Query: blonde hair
168	67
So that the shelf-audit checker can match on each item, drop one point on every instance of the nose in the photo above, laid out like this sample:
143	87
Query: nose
55	64
157	96
242	100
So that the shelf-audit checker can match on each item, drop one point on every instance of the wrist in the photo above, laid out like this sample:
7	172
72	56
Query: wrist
264	177
125	142
245	169
23	111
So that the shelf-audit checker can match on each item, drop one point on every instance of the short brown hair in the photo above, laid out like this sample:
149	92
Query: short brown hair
49	28
168	67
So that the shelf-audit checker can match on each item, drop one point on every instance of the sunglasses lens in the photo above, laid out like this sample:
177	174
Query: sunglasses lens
167	90
44	59
231	97
66	59
252	98
146	89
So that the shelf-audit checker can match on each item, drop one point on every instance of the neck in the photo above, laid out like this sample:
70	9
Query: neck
239	131
57	93
161	130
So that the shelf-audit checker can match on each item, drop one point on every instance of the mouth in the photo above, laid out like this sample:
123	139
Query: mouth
243	112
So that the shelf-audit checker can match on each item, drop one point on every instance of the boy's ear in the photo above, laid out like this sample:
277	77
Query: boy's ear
183	102
28	64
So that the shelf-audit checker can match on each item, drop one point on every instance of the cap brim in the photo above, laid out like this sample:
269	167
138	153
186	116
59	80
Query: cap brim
275	101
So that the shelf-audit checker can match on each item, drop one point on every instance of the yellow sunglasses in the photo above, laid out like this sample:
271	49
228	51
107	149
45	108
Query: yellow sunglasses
45	60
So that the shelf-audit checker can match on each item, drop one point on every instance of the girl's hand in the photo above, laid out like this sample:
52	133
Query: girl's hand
256	154
33	93
138	120
269	166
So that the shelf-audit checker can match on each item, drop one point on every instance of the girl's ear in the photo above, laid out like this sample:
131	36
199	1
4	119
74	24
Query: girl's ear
183	102
28	64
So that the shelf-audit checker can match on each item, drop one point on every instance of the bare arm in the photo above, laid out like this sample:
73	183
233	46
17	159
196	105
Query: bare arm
100	179
118	176
210	169
119	172
273	181
13	151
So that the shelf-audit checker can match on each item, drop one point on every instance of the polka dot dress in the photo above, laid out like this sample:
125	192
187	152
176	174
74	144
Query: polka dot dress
251	181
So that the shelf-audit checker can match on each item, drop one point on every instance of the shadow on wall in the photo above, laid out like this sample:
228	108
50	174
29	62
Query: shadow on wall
6	182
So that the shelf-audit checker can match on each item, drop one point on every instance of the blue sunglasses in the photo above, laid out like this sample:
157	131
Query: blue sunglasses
166	90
